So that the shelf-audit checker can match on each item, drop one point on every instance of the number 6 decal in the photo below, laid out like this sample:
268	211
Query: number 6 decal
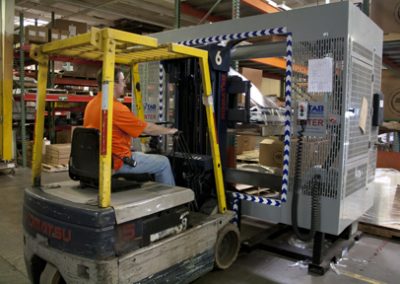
218	58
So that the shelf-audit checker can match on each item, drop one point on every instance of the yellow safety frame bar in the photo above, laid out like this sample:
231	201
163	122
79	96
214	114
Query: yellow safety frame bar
6	80
137	91
113	46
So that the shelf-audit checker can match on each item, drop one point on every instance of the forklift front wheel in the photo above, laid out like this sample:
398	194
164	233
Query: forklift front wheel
227	246
51	275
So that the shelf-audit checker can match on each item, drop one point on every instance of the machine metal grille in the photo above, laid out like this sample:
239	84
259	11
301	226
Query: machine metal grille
362	51
356	178
360	89
321	155
357	165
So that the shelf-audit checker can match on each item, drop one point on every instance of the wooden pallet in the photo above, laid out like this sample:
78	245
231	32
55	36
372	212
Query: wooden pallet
248	156
381	231
256	191
54	168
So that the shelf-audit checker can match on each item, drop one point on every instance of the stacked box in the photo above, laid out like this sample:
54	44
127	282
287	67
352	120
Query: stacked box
245	143
64	34
63	136
73	28
55	34
35	34
29	153
57	154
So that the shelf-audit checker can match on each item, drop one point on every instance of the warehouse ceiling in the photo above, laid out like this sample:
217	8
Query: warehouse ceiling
150	16
155	13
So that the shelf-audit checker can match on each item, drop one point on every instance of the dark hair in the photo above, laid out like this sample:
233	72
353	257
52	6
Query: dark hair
117	70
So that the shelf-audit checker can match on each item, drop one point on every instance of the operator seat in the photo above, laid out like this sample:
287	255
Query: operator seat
84	162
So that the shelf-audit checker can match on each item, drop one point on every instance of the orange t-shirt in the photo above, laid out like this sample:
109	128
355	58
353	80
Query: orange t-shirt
125	126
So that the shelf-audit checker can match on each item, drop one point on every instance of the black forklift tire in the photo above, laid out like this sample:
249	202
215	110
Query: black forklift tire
227	246
50	275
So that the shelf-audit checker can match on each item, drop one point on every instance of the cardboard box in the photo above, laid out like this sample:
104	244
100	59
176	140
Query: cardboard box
36	34
64	34
73	28
271	153
254	75
386	14
245	143
391	92
388	160
55	34
63	136
57	154
82	71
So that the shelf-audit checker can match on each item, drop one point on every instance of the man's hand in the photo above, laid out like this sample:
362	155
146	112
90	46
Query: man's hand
153	129
172	131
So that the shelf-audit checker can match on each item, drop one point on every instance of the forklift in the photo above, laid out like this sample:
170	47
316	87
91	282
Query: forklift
105	228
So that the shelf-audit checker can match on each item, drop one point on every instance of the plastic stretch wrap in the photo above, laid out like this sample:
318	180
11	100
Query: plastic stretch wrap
386	209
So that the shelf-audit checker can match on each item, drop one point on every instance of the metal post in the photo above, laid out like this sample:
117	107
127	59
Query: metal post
52	121
396	141
50	80
209	12
177	14
106	120
39	121
365	7
137	90
22	87
137	94
236	15
6	81
50	84
318	248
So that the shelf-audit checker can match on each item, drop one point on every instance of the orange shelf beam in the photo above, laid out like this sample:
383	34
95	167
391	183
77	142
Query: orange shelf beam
280	63
196	13
261	6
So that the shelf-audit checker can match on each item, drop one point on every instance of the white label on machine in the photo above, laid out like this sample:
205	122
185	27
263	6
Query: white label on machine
362	123
150	110
316	120
302	110
320	75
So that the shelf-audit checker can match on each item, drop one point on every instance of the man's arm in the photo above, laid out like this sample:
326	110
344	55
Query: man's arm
154	129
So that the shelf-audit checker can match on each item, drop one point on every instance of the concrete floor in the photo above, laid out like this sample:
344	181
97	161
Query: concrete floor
371	260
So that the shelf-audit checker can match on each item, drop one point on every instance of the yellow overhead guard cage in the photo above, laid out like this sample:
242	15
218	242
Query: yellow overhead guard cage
113	46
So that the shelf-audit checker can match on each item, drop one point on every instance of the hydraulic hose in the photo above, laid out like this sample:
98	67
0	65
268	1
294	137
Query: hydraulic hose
315	199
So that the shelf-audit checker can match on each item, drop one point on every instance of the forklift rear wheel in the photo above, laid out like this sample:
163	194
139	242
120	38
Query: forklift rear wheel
227	246
51	275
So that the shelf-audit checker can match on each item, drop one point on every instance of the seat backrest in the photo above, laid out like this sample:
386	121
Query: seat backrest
84	162
84	158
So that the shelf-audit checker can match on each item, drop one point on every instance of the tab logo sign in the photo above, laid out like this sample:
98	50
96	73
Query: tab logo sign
316	109
316	124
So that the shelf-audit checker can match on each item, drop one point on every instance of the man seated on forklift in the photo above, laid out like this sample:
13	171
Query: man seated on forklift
125	126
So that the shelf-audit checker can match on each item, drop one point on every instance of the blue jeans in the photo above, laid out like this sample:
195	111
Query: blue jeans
152	164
